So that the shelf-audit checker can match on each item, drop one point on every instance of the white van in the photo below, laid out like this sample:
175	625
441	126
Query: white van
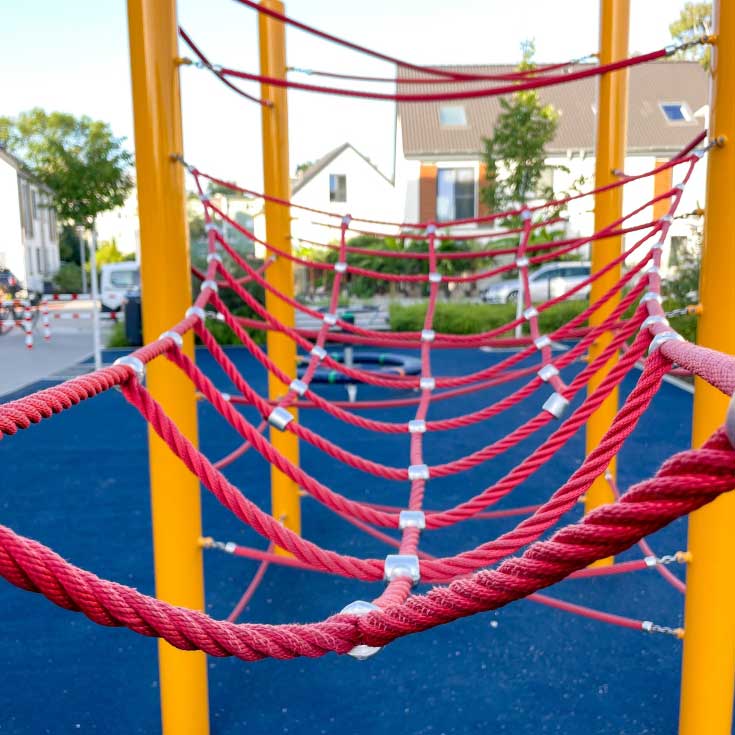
116	279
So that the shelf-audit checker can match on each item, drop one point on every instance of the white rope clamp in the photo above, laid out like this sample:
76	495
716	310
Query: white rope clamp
730	421
522	262
651	296
402	565
279	418
547	372
662	337
649	321
214	256
416	426
319	352
428	335
329	319
530	313
418	472
543	341
556	405
175	337
427	383
435	277
196	311
211	285
340	267
412	519
132	362
298	387
361	607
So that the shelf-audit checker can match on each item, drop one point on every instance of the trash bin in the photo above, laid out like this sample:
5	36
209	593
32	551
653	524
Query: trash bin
133	320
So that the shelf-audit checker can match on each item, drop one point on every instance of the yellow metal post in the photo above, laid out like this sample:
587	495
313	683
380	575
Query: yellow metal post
285	502
166	294
612	120
708	668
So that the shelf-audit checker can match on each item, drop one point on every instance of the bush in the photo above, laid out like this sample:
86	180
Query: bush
474	318
117	336
68	278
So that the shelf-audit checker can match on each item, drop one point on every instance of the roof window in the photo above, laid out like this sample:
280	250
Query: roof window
452	116
676	112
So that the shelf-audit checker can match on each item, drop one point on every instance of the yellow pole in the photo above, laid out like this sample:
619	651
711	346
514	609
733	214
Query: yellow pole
612	120
708	668
285	504
166	294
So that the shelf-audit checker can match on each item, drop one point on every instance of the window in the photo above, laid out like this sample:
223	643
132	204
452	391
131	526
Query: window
34	204
52	224
676	112
452	116
38	261
337	188
455	193
27	209
124	279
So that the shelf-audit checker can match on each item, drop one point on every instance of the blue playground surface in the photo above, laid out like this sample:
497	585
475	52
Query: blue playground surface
79	483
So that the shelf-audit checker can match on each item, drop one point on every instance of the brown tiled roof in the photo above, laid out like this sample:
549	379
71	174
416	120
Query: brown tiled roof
648	129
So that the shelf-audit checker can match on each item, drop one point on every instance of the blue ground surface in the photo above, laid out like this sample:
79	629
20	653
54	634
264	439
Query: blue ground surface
79	483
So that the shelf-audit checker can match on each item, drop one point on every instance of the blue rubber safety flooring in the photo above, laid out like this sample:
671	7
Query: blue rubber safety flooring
79	483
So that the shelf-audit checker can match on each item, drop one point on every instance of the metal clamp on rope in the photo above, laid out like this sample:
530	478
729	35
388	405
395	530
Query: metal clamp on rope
667	218
211	227
530	313
543	341
427	383
203	198
522	262
346	220
430	229
653	269
214	256
525	215
329	319
416	426
340	267
435	277
730	421
418	472
428	335
662	337
402	565
412	519
318	352
556	405
177	339
134	363
298	387
651	296
279	418
226	397
361	607
658	245
196	311
211	285
649	321
547	372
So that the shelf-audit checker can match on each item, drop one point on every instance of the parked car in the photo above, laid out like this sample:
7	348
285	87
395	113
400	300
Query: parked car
9	285
115	281
547	282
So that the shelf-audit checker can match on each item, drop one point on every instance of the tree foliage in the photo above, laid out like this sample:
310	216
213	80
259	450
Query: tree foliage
79	159
108	252
515	153
694	21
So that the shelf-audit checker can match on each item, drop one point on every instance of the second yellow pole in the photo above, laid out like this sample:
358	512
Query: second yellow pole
612	120
708	667
285	502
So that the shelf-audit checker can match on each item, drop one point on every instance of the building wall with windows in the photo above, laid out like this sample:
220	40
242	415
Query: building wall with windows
29	242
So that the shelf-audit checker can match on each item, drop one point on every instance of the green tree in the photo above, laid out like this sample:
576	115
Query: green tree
79	159
515	153
108	252
694	21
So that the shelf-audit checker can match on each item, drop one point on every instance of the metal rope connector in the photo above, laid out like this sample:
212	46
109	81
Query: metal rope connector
428	335
402	565
298	387
329	319
662	337
530	313
340	267
135	364
416	426
547	372
196	311
175	337
361	607
418	472
730	421
556	405
427	383
412	519
649	626
279	418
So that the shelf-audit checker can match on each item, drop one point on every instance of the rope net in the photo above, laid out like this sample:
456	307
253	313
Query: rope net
477	579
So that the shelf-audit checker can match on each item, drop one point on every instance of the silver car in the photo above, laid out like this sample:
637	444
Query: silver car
547	282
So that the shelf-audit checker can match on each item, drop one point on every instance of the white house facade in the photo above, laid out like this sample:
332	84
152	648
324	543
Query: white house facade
439	147
29	242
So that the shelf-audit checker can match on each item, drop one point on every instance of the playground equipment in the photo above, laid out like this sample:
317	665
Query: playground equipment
614	338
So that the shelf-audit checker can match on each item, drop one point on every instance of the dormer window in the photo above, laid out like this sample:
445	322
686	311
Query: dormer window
452	116
676	112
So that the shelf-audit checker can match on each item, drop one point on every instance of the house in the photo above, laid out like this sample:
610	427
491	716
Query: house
439	146
343	181
29	242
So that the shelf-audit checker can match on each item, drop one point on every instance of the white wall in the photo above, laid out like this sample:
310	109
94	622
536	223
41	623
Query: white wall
11	237
369	195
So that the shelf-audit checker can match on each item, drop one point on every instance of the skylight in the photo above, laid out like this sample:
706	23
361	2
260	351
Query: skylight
676	112
452	116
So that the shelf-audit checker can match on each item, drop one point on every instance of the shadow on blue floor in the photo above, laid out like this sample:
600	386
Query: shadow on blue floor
79	484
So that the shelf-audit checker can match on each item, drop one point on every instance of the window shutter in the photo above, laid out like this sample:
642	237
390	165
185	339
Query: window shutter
427	193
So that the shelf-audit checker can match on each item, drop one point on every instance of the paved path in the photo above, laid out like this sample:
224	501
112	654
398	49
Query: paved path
70	343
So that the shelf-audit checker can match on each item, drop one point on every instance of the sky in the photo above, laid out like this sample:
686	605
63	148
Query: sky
73	57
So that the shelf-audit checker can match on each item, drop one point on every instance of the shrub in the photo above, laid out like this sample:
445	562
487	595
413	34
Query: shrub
68	278
117	336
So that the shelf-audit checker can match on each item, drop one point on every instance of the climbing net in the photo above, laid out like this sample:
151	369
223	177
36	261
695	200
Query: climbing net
475	580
